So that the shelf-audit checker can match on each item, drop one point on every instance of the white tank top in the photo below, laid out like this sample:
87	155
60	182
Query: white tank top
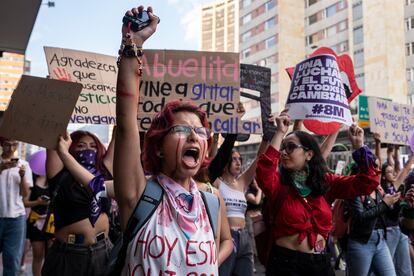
167	246
236	203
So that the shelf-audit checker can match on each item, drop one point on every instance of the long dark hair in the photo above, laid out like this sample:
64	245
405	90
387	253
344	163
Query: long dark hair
317	165
383	181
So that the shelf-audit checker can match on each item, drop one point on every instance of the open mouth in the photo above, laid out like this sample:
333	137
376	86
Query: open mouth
190	157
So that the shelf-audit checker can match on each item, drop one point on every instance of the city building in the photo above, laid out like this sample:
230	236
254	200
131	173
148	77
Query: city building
279	34
12	67
220	26
409	47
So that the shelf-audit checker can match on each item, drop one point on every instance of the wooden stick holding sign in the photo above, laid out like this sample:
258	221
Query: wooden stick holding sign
39	110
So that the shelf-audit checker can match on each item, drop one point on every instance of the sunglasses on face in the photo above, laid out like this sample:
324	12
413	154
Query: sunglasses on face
290	147
185	131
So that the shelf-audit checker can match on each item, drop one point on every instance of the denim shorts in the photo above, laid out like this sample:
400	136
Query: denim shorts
74	259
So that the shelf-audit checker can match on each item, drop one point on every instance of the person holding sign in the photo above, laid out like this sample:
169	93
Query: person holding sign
76	173
293	174
178	238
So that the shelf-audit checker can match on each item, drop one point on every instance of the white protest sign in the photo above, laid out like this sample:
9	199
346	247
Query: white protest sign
97	73
393	121
317	92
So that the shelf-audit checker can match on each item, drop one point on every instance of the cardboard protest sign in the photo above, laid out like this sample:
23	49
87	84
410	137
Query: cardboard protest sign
39	110
210	79
258	78
393	121
97	73
317	91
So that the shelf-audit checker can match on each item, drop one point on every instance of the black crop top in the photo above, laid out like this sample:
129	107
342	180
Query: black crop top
72	201
35	192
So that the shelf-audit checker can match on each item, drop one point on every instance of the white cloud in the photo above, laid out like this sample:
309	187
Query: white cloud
190	12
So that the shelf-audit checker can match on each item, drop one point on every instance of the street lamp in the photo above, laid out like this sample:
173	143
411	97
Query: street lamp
50	4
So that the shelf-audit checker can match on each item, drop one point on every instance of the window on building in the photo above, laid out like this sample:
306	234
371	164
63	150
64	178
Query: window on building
358	35
313	18
331	31
357	11
270	42
311	2
359	58
247	18
246	3
409	23
270	23
341	5
410	74
342	47
409	48
331	10
246	35
342	26
270	4
246	53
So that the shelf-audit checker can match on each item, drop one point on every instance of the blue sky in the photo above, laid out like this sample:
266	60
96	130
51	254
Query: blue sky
94	26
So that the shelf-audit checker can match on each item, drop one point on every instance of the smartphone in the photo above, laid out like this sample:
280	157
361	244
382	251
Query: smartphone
14	160
138	22
45	197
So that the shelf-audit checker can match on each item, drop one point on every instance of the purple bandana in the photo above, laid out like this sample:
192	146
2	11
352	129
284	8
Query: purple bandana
87	158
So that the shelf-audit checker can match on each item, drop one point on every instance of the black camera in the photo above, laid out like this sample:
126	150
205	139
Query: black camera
138	22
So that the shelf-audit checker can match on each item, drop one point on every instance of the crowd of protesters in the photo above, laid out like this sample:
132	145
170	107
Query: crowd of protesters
186	233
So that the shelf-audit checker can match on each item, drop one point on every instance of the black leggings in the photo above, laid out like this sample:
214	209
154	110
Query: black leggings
287	262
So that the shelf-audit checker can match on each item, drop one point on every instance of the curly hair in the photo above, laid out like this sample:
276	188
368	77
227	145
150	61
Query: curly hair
317	165
159	128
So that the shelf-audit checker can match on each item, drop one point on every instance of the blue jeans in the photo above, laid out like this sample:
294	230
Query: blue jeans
240	261
12	236
373	256
398	244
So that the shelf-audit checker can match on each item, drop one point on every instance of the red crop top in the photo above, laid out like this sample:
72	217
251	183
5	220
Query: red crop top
309	216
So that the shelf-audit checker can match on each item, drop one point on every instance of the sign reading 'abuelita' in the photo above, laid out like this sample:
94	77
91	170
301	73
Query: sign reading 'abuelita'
317	92
210	79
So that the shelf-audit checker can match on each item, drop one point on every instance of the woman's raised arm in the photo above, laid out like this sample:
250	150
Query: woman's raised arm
129	178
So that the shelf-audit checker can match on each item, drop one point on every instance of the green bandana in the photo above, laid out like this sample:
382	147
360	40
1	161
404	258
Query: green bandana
299	181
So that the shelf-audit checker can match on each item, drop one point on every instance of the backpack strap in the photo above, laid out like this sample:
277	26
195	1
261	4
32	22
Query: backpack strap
146	206
212	203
